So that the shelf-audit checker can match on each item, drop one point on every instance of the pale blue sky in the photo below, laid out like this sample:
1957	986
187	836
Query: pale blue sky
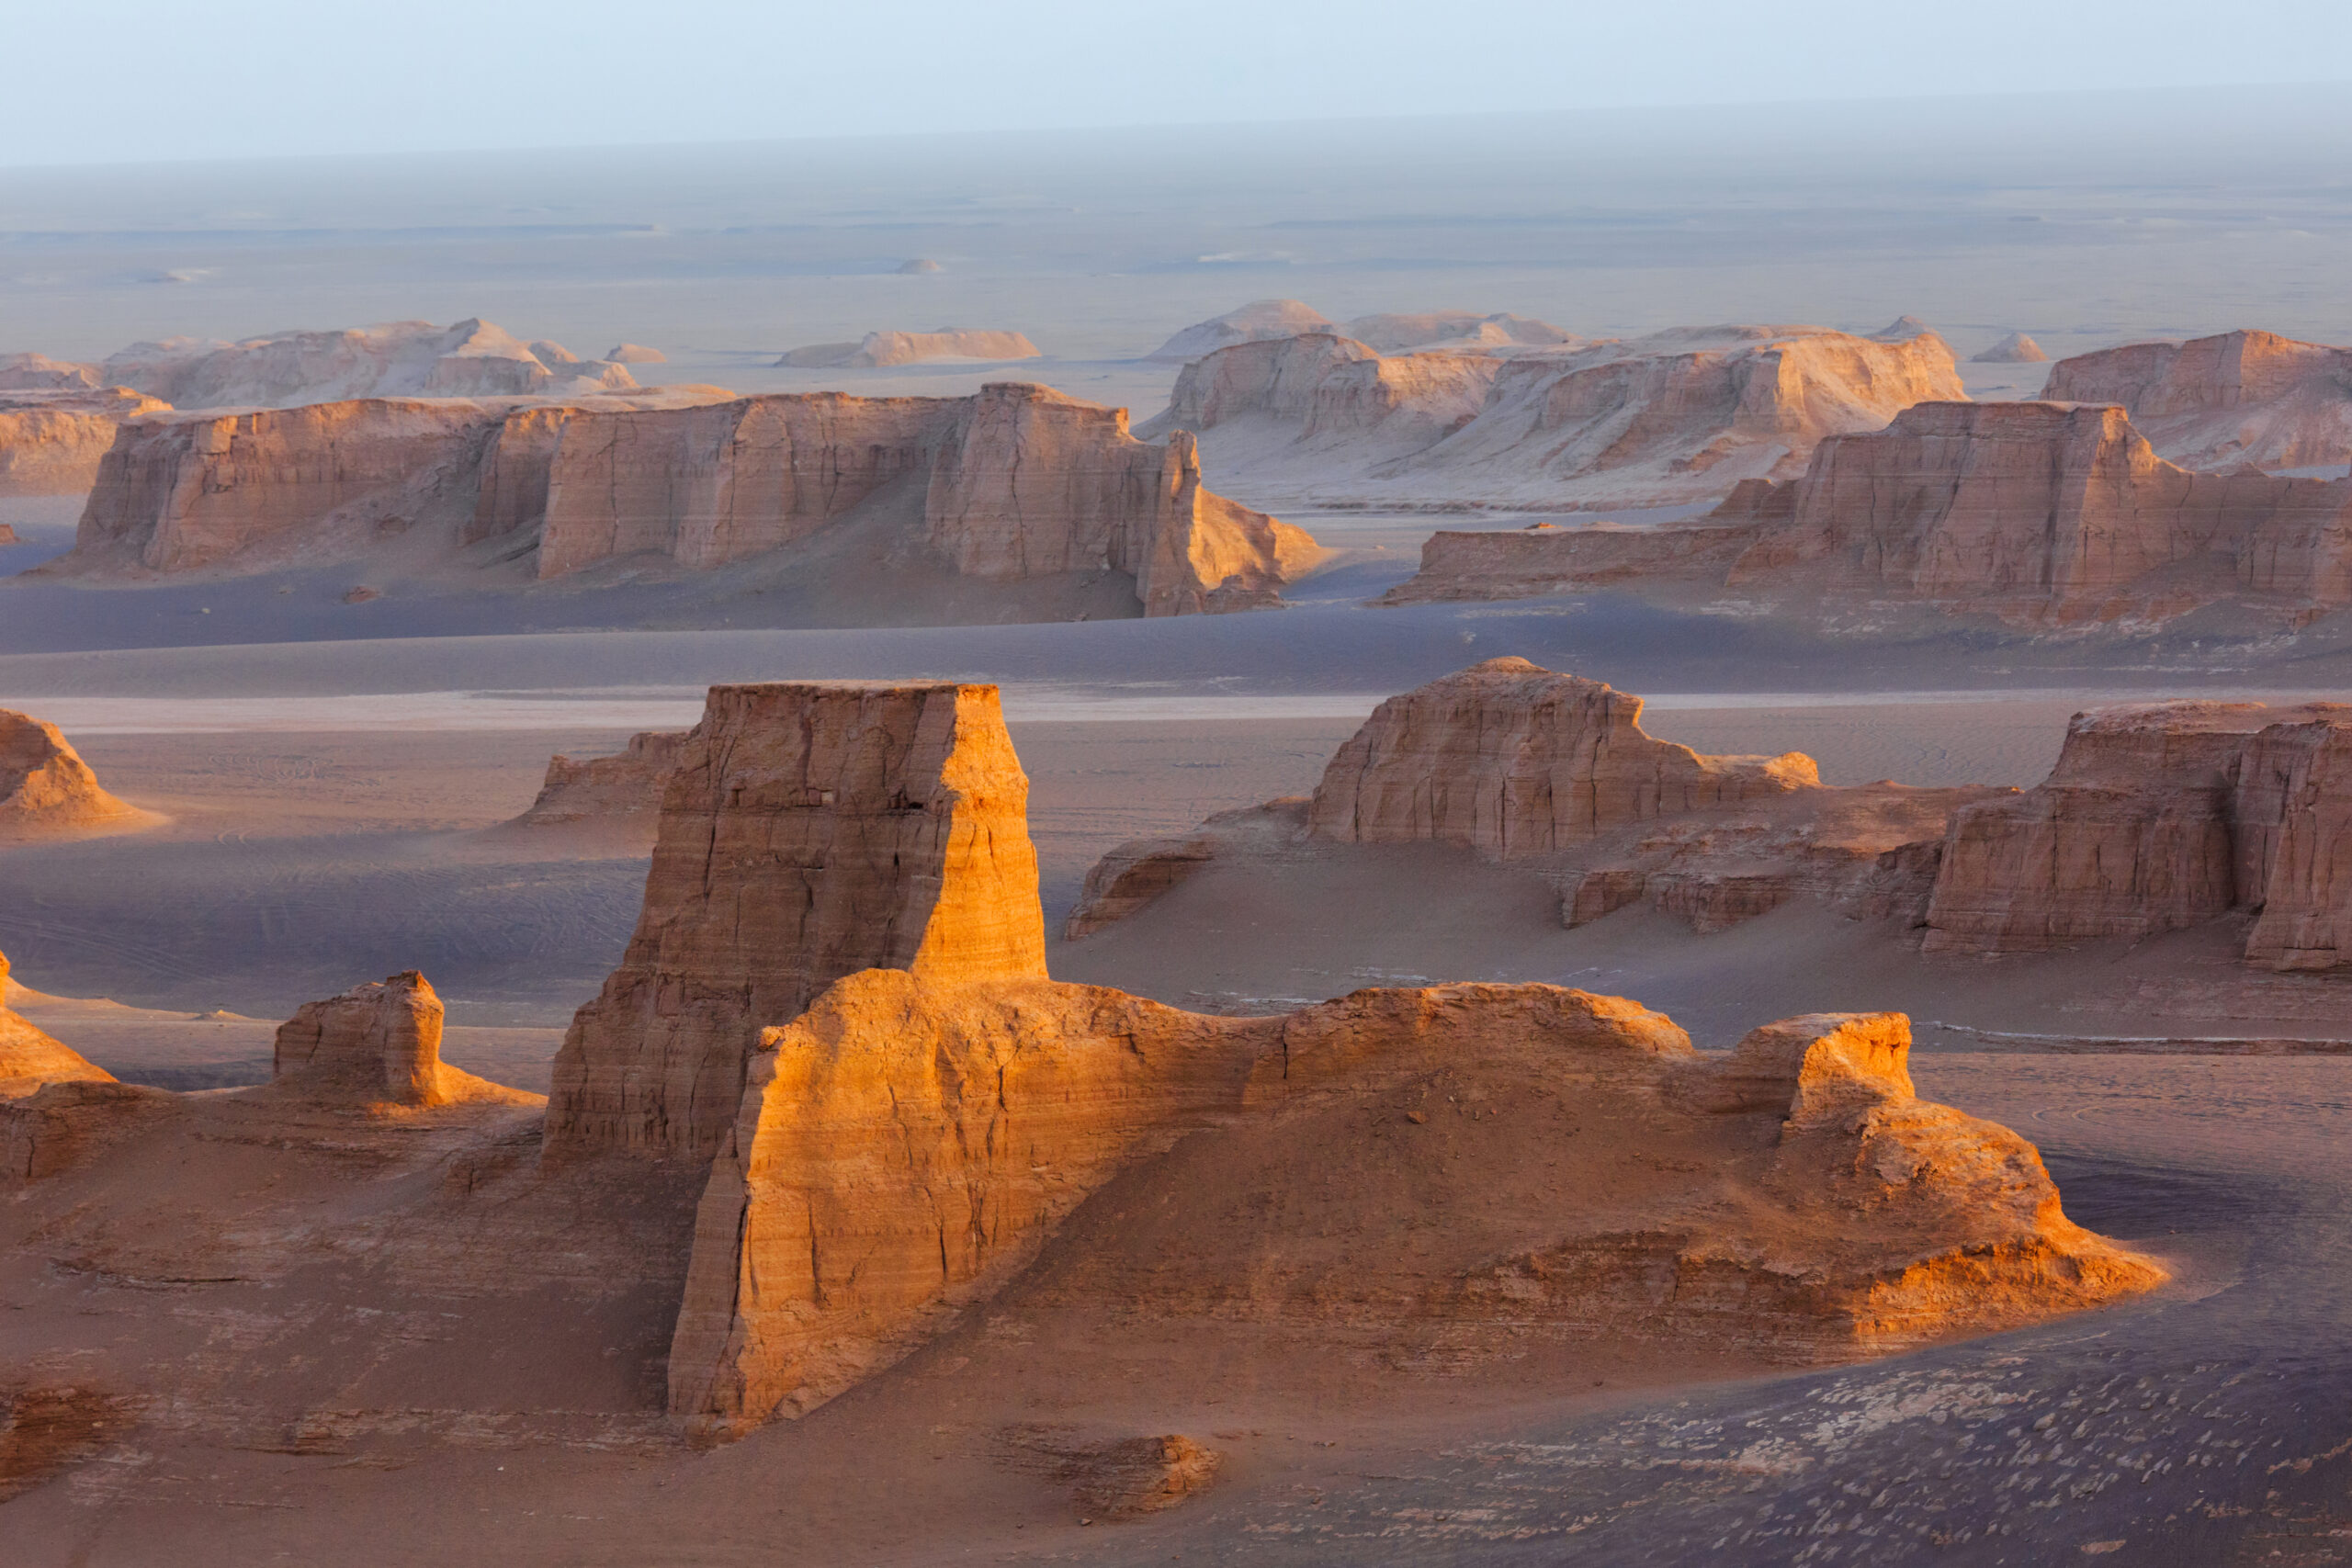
133	80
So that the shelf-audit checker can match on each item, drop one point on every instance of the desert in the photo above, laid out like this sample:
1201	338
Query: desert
1601	834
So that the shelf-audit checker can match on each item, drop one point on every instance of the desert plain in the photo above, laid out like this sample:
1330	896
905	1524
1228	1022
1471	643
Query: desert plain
1093	1034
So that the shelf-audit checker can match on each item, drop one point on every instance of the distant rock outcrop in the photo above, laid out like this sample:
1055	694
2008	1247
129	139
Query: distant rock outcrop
47	791
51	443
635	353
2014	349
917	267
1257	320
622	791
1669	419
1555	774
883	349
40	373
30	1060
806	832
1455	330
2242	397
2160	818
376	1046
906	1146
412	360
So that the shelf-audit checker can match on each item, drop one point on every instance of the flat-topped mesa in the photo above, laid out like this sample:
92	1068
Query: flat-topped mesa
806	832
907	1146
623	789
31	1059
2042	512
1671	418
887	348
2241	397
400	359
52	442
376	1046
1510	759
46	790
1017	481
2158	818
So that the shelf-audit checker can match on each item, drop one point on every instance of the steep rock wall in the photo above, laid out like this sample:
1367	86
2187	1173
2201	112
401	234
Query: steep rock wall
625	786
377	1045
2241	397
806	832
51	443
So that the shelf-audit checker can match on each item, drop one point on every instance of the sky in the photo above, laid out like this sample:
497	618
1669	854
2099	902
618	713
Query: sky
135	81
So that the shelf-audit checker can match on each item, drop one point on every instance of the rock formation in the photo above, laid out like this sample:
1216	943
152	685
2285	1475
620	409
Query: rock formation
1528	563
1508	758
806	832
46	790
907	1146
883	349
1669	419
1017	481
1553	773
29	1059
2159	818
2242	397
9	534
554	356
2042	512
1259	319
916	266
622	790
40	373
1903	329
471	359
52	442
2014	349
376	1046
1455	330
635	353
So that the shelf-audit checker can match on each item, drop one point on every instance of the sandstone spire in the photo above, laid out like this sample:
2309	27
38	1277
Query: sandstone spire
806	832
375	1044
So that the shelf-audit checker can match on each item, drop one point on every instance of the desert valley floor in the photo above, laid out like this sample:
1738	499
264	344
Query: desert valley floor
595	1311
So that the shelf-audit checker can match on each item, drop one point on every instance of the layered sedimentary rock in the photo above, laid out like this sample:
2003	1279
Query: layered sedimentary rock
806	832
52	442
378	1044
623	789
883	349
31	1059
2242	397
1672	418
1528	563
46	790
1257	320
907	1146
1555	774
1512	760
2014	349
400	359
1015	482
2042	512
2157	819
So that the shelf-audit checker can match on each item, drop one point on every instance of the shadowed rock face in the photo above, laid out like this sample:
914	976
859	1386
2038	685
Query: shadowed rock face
1513	760
2160	818
619	789
2242	397
52	442
806	832
375	1044
2042	512
46	790
906	1146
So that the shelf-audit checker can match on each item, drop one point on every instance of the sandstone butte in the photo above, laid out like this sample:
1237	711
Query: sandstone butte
399	360
30	1060
1670	419
1016	482
907	1146
806	832
2241	397
378	1046
2038	514
1257	320
2158	818
1555	771
46	790
623	789
52	442
884	349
